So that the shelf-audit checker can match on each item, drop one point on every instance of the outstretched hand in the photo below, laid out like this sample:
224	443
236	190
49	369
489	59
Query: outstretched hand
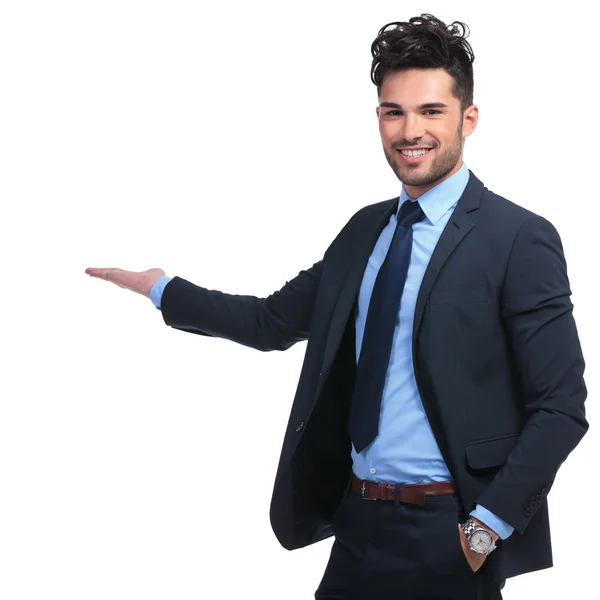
140	282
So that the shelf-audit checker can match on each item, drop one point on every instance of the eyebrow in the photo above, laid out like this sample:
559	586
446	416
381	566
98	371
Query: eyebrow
421	106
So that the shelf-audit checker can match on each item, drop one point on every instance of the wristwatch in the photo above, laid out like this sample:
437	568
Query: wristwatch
480	539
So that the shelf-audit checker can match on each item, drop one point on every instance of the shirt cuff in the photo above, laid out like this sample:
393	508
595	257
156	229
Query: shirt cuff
495	523
158	288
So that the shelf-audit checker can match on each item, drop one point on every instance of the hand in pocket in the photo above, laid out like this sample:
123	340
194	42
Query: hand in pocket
474	559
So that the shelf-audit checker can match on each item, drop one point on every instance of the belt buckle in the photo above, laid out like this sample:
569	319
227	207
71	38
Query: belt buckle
362	492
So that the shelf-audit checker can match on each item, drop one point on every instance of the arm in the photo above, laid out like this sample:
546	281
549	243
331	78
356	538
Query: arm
273	323
537	313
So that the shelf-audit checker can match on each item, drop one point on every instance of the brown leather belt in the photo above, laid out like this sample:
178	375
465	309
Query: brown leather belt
413	493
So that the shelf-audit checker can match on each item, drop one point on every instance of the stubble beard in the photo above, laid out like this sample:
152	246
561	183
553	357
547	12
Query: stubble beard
441	165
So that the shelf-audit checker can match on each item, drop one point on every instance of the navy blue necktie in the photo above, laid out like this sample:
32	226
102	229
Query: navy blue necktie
382	315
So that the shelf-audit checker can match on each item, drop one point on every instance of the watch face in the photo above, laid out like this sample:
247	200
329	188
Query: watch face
481	541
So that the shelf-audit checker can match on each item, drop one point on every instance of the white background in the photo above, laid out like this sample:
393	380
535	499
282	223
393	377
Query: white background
228	143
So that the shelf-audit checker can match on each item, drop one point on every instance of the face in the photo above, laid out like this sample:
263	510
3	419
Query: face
422	127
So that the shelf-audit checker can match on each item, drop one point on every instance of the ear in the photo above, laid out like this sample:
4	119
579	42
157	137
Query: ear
470	118
377	111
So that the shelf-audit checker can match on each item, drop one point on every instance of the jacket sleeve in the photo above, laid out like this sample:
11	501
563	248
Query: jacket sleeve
537	313
273	323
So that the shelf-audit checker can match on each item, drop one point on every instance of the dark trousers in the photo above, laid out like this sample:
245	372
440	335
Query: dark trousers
401	551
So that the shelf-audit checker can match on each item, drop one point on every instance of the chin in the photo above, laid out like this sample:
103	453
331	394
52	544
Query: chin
415	178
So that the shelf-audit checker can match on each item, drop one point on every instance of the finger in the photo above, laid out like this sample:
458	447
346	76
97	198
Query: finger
94	270
108	273
117	276
129	280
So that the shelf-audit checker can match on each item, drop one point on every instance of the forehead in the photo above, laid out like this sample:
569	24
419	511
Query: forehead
412	87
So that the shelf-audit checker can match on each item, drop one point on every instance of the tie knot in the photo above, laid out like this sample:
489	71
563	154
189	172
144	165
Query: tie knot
410	213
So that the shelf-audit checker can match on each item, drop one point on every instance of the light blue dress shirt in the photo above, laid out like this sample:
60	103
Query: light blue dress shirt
158	288
405	451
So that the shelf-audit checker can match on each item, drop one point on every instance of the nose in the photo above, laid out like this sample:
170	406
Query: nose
412	129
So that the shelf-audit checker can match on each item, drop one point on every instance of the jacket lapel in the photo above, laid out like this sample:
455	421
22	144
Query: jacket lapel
456	229
355	264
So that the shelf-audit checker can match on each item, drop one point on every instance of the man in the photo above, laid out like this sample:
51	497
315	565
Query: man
442	385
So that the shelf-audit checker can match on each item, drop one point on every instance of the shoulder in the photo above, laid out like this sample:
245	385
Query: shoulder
376	209
509	216
366	216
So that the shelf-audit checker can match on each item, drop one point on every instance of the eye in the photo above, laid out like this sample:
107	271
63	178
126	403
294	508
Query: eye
393	112
432	111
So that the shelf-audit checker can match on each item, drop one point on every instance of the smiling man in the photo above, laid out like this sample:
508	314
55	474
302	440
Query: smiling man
442	385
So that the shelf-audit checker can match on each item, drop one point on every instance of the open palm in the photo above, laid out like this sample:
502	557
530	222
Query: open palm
140	282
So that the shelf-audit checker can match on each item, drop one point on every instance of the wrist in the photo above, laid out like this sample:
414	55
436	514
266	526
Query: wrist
494	535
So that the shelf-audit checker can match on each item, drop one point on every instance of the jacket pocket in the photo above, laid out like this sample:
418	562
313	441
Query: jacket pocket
478	294
491	452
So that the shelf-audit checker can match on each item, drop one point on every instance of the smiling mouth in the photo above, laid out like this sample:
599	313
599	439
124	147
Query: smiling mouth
414	153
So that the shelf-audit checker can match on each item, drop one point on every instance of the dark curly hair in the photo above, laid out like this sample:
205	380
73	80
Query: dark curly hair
425	42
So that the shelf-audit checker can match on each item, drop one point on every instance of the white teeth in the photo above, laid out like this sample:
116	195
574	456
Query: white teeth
414	153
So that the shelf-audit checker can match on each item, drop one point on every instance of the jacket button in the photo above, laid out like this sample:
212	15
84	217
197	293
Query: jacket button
300	426
544	492
527	513
539	498
533	506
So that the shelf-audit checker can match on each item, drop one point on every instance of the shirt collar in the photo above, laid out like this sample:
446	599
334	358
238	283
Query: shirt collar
440	198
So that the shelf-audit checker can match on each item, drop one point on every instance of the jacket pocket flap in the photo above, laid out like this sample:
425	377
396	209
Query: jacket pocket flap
491	452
